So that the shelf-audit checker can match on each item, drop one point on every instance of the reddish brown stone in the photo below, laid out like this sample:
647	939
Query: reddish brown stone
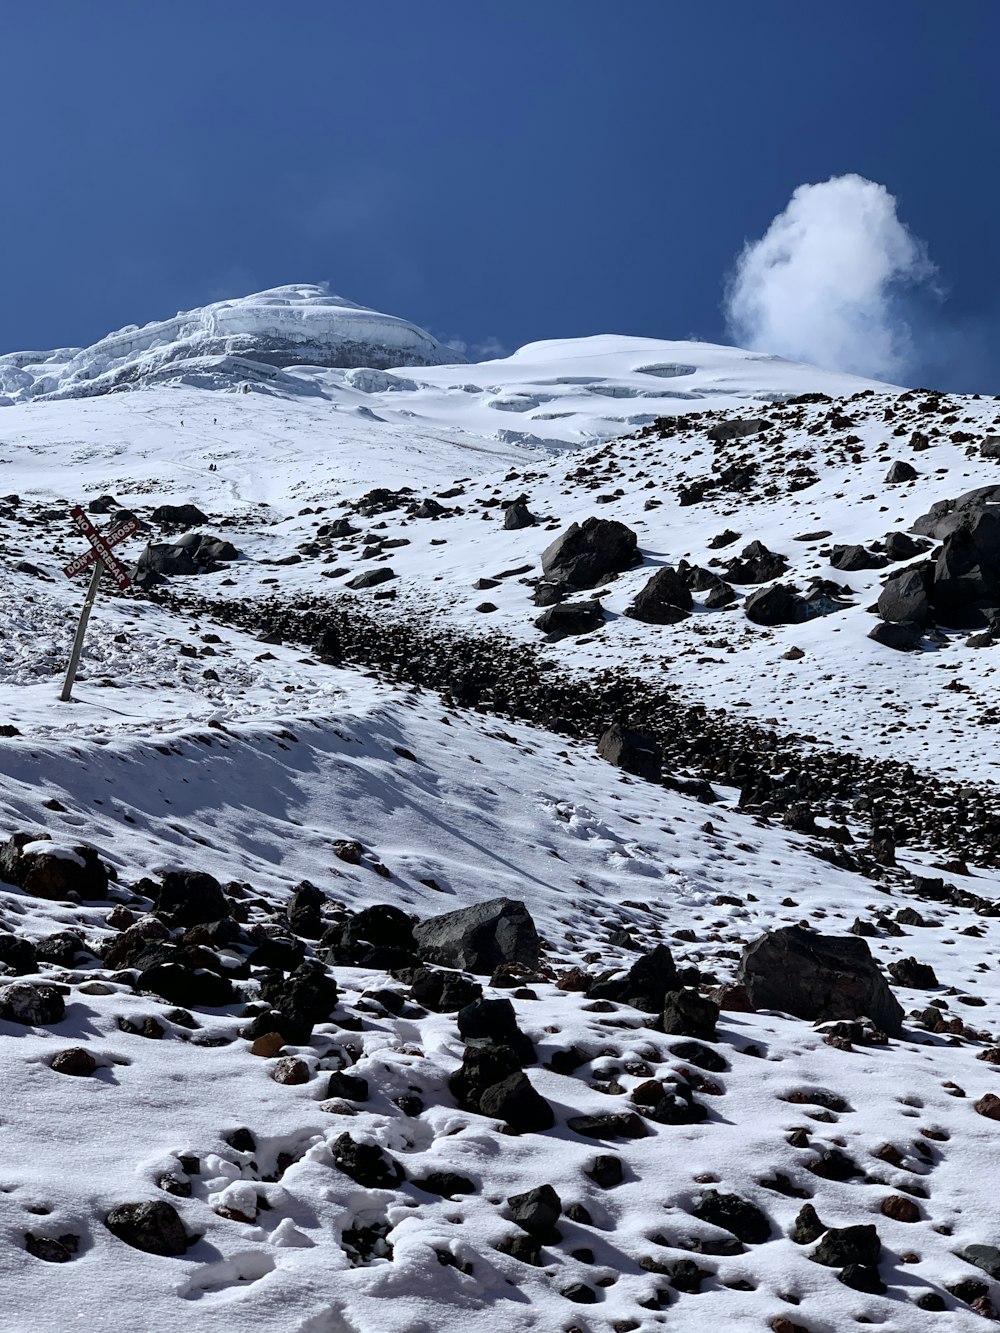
889	1153
75	1061
268	1045
900	1209
734	999
575	979
290	1069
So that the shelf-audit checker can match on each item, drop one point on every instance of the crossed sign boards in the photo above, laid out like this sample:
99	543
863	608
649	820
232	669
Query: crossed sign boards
102	558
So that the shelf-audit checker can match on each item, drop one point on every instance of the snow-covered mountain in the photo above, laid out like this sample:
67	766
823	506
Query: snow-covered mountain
229	342
362	710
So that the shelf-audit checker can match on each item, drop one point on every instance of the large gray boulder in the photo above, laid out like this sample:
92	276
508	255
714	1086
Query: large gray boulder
664	600
517	515
371	578
944	516
736	429
51	872
570	618
901	471
756	564
855	557
588	552
481	937
905	596
632	751
191	898
153	1226
186	515
967	571
819	977
905	636
778	605
194	553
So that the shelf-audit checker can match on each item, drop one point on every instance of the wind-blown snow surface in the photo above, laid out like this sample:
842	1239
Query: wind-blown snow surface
299	755
480	811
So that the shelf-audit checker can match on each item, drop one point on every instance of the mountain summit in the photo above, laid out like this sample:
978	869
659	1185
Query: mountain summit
243	339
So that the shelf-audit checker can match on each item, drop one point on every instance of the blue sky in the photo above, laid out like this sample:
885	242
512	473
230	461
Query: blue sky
495	171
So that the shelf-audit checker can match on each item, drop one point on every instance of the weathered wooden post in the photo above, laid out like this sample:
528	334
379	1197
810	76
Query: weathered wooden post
102	558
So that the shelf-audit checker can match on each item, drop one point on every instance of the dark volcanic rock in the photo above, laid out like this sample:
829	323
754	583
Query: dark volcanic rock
350	1086
31	1004
194	553
609	1125
380	926
55	874
850	558
910	972
191	898
944	516
494	1022
367	1164
606	1171
154	1227
566	619
444	992
744	1219
77	1062
756	564
905	595
664	600
818	977
371	578
62	948
588	552
537	1212
491	1082
848	1245
445	1184
181	984
51	1250
735	428
779	605
517	515
901	471
516	1102
861	1277
186	515
807	1227
986	1257
688	1014
303	999
17	955
632	751
904	636
966	586
480	937
901	546
644	986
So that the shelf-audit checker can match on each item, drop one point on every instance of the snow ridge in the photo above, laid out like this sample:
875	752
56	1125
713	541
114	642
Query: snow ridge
293	325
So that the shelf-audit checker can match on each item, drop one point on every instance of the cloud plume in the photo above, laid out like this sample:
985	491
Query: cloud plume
827	281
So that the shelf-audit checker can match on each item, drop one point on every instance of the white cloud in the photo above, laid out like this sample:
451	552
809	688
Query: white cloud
823	283
489	349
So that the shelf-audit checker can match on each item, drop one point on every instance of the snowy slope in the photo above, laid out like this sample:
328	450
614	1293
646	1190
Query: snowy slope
195	745
590	855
